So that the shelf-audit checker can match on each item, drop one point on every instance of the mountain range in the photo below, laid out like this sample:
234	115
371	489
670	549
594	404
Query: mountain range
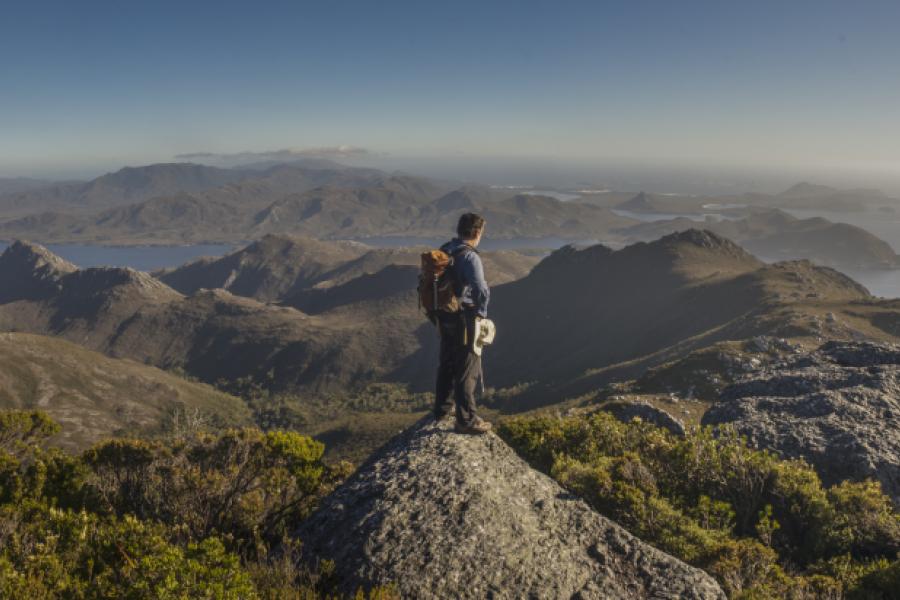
583	318
801	196
326	319
776	235
215	334
345	203
183	203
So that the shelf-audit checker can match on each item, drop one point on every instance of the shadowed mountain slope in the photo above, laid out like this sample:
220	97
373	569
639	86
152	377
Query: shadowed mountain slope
583	309
31	271
584	318
578	314
775	235
213	334
580	320
443	515
279	267
268	269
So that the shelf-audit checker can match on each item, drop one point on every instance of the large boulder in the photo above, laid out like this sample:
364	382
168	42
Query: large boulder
444	515
626	412
838	408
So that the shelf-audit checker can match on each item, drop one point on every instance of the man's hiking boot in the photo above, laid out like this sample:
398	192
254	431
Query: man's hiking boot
445	418
477	427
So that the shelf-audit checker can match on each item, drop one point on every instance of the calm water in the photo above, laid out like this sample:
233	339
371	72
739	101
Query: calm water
650	217
529	191
563	196
142	258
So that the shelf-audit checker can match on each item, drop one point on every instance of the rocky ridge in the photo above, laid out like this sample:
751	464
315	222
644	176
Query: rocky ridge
31	271
838	408
443	515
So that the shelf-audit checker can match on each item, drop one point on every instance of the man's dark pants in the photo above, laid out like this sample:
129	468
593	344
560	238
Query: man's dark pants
459	369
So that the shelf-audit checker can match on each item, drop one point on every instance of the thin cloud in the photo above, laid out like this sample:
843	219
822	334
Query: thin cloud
285	154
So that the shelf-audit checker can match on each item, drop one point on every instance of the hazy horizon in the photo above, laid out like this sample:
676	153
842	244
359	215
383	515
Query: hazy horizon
554	173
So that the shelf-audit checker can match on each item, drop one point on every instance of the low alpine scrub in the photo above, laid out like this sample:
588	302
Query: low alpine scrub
200	515
762	526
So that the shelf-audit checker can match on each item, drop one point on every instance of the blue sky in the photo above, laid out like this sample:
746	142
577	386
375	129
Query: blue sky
95	85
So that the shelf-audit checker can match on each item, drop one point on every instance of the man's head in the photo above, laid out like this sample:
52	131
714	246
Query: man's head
470	228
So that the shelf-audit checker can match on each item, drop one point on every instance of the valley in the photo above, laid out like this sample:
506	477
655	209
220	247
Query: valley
306	330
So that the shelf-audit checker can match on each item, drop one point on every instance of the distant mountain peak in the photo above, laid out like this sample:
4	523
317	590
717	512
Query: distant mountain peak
37	255
639	203
571	256
804	188
105	278
706	248
443	515
702	238
456	200
29	270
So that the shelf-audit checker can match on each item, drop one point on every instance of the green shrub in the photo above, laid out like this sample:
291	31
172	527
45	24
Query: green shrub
83	555
22	435
880	583
764	527
194	517
243	484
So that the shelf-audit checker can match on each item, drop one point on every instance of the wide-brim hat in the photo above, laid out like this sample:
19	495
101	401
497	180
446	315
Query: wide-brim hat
485	332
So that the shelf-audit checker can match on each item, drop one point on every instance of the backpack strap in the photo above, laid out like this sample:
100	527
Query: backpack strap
462	248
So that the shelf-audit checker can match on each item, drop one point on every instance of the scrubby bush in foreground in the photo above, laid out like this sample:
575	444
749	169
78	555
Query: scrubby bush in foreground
764	527
202	516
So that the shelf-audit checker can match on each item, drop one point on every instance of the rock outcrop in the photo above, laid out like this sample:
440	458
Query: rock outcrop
443	515
628	411
838	408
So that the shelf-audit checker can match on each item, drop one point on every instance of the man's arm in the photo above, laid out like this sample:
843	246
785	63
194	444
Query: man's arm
473	276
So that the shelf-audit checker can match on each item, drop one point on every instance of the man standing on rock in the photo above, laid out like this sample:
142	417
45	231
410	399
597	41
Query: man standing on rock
460	367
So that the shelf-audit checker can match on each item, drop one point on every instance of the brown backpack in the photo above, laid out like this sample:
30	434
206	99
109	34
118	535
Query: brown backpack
436	285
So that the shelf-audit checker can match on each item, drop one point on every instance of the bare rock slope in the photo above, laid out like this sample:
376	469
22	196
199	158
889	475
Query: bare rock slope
838	408
443	515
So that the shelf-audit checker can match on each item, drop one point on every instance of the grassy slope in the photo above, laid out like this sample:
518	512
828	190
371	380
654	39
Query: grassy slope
93	396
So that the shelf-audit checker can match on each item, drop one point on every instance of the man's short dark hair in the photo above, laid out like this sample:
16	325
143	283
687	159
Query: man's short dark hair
469	226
